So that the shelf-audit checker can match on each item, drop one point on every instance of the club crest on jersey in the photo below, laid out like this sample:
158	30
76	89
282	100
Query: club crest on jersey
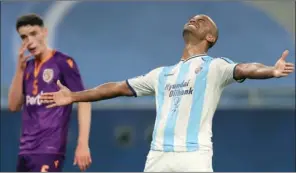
197	70
47	75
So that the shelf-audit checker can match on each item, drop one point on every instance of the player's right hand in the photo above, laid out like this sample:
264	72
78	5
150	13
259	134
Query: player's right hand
59	98
22	58
82	157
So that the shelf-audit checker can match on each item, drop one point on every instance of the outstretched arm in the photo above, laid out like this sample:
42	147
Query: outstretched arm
230	72
253	71
138	86
102	92
260	71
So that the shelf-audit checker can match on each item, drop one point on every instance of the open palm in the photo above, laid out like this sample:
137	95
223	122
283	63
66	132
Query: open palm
283	68
59	98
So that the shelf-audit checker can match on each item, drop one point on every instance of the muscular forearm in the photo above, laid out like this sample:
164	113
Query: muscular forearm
15	95
254	71
102	92
84	122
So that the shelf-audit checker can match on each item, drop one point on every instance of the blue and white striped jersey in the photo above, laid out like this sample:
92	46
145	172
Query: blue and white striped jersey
187	95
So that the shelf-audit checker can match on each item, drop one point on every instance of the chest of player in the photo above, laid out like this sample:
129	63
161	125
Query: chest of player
181	84
184	80
41	78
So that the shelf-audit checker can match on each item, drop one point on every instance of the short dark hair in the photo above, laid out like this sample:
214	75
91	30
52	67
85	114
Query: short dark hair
29	19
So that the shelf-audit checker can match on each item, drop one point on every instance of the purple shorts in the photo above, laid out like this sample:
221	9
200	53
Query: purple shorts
40	163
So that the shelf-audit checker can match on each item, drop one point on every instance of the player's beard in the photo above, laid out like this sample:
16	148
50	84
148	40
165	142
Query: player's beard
192	36
188	35
186	32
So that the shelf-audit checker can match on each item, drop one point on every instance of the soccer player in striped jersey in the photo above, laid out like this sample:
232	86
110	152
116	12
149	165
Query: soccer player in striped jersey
187	95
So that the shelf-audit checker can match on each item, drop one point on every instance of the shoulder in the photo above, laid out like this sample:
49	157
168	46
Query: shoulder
199	60
156	70
223	60
220	64
64	59
151	74
168	68
60	56
162	70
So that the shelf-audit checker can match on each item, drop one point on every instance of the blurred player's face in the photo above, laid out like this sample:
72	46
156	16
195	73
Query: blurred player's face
200	27
35	36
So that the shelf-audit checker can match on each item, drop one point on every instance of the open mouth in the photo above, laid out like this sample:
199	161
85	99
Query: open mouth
191	24
32	49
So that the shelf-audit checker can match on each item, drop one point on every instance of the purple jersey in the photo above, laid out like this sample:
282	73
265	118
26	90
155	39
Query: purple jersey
45	130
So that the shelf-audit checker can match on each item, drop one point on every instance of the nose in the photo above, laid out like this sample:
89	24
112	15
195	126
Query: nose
30	41
192	21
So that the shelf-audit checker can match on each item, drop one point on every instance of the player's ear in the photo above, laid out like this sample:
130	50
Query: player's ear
45	31
210	38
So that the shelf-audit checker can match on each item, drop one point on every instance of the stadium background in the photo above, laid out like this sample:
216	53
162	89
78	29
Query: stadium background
254	127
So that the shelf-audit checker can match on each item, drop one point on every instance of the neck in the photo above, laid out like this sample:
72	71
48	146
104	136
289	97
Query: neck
194	49
44	55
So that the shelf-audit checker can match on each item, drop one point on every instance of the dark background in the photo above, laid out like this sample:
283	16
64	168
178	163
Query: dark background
244	140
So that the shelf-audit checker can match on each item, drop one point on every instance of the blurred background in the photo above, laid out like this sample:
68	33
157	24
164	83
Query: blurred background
254	126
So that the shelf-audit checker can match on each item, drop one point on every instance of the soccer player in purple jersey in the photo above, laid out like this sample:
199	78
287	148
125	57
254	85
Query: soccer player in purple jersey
44	131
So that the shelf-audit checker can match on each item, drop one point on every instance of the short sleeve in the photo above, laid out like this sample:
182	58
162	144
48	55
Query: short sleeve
71	77
225	69
144	85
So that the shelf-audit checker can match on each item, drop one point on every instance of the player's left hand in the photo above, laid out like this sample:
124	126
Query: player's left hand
282	68
82	157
